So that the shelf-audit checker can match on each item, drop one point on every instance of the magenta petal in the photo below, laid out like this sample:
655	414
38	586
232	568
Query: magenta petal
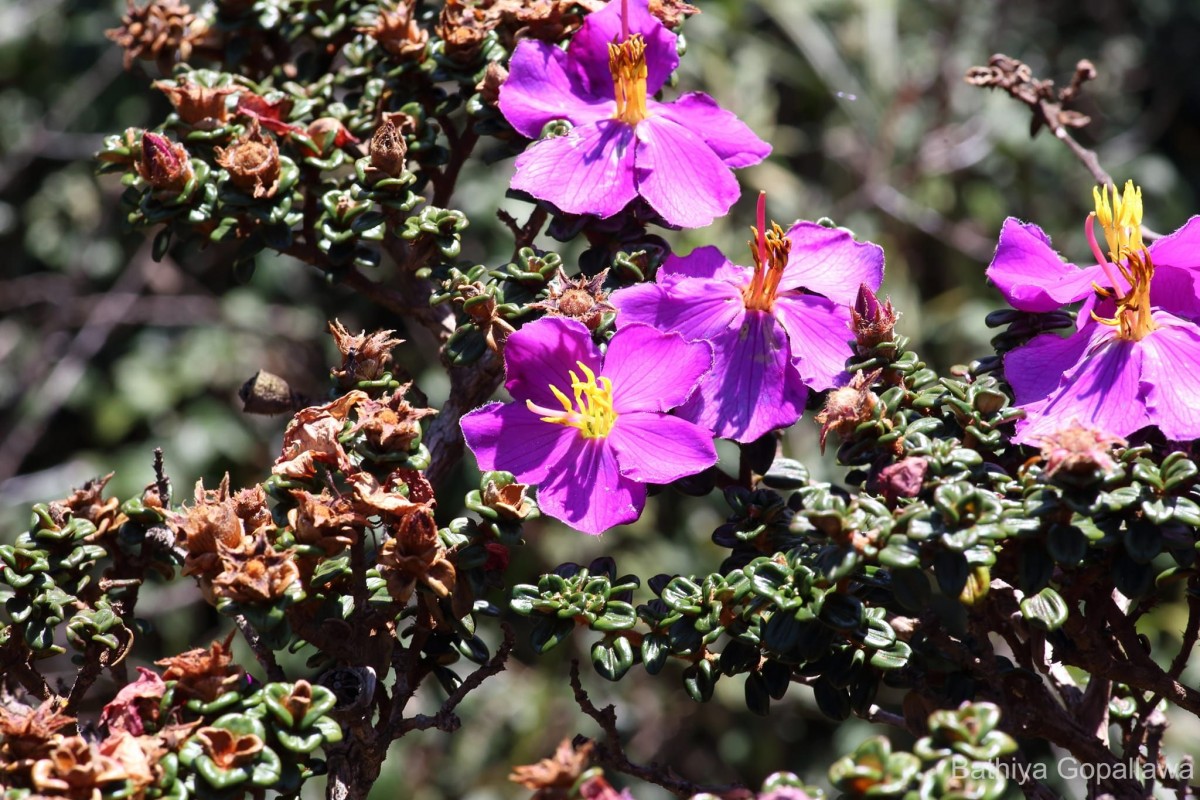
512	438
588	171
1181	248
819	331
753	387
1028	272
1175	289
1103	391
656	448
697	308
703	262
544	352
539	89
653	371
587	490
828	261
589	48
680	176
1037	368
729	137
1171	377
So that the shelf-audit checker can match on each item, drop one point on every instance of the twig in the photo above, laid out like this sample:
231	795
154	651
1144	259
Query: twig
610	754
445	719
469	387
266	658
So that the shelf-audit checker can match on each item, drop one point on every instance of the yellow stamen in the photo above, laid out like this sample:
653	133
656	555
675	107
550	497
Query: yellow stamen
770	252
1121	218
592	410
1132	318
627	61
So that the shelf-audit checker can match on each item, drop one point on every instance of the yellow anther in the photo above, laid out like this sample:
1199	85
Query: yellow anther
590	409
1132	318
627	62
1121	218
770	252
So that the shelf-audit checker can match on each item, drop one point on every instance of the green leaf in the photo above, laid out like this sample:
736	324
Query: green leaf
612	658
1046	609
549	632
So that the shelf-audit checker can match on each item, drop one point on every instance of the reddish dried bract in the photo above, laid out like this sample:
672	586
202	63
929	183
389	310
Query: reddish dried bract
199	106
1078	450
553	777
415	555
165	165
391	424
135	705
365	357
255	573
330	523
311	438
204	674
398	32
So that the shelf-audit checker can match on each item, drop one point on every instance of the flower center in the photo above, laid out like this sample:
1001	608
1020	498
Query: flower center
770	250
627	62
1121	219
592	410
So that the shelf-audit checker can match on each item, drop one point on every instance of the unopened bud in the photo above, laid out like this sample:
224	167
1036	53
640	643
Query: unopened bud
164	164
872	322
489	88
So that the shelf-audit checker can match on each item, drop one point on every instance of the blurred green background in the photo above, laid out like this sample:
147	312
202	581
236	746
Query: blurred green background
105	354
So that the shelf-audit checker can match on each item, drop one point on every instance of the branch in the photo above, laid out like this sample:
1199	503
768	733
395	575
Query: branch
264	654
610	754
470	386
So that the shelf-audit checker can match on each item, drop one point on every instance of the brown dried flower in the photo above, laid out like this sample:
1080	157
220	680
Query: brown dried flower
398	32
391	424
330	523
480	305
578	298
136	704
388	150
30	734
165	165
365	357
217	520
905	478
138	757
489	88
509	501
87	502
553	777
228	749
164	31
463	28
77	770
203	674
255	573
848	406
672	12
252	162
299	700
415	555
312	437
199	106
1078	452
873	322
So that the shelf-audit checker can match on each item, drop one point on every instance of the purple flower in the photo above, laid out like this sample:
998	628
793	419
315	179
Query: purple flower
592	430
624	144
775	328
1135	359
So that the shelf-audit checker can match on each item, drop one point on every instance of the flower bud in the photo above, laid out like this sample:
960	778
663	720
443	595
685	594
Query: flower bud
388	149
164	164
872	321
489	88
252	163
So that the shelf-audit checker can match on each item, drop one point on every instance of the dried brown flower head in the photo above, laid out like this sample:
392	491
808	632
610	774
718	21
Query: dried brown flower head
77	770
547	20
905	478
30	734
553	777
489	87
299	700
480	305
164	31
271	114
255	572
135	705
849	406
398	32
463	28
228	749
199	106
1079	452
203	674
312	438
216	520
330	523
163	164
388	150
391	424
414	554
138	757
252	162
365	357
672	12
87	502
578	298
509	500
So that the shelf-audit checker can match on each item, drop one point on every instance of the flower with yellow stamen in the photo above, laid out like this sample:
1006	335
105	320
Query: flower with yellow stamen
627	61
592	410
